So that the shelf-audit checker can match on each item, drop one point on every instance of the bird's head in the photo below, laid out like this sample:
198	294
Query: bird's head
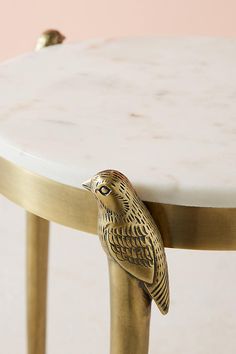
112	190
48	38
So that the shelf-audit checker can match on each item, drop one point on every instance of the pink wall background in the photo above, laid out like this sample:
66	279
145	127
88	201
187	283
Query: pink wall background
22	21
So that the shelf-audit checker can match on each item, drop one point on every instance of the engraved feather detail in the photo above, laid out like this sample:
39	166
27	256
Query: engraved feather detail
129	234
129	243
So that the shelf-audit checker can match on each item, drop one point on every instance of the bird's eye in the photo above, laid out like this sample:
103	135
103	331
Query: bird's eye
104	190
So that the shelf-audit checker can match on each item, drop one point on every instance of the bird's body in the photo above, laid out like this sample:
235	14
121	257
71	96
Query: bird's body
129	234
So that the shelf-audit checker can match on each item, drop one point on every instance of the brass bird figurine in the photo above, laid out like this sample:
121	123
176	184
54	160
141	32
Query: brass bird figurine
129	234
48	38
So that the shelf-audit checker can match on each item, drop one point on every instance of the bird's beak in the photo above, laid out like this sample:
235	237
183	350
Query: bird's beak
87	185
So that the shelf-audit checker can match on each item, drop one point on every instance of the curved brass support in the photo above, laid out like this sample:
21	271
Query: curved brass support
37	262
197	228
37	255
130	313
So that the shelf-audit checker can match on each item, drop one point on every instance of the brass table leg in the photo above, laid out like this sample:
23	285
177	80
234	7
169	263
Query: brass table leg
37	259
130	313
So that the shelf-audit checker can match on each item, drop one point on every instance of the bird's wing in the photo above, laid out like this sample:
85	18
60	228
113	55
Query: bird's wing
159	290
140	252
130	245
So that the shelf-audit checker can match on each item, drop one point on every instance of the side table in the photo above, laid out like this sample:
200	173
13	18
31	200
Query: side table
161	110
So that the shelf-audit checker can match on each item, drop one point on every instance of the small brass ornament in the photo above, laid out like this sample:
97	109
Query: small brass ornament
129	234
48	38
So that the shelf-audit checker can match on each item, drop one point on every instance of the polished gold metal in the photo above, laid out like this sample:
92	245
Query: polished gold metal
48	38
130	313
197	228
129	234
37	260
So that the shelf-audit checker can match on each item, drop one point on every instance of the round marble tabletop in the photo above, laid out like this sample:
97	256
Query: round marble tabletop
160	110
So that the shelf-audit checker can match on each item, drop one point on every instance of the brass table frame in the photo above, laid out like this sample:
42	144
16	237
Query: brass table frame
198	228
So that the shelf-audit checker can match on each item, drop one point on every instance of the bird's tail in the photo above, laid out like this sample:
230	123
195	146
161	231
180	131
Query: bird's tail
159	291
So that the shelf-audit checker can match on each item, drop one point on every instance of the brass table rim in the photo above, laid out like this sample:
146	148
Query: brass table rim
187	227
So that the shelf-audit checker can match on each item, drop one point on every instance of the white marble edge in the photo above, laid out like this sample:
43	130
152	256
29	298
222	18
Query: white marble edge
75	177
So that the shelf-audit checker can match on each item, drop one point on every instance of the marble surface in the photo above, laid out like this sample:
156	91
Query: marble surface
160	110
